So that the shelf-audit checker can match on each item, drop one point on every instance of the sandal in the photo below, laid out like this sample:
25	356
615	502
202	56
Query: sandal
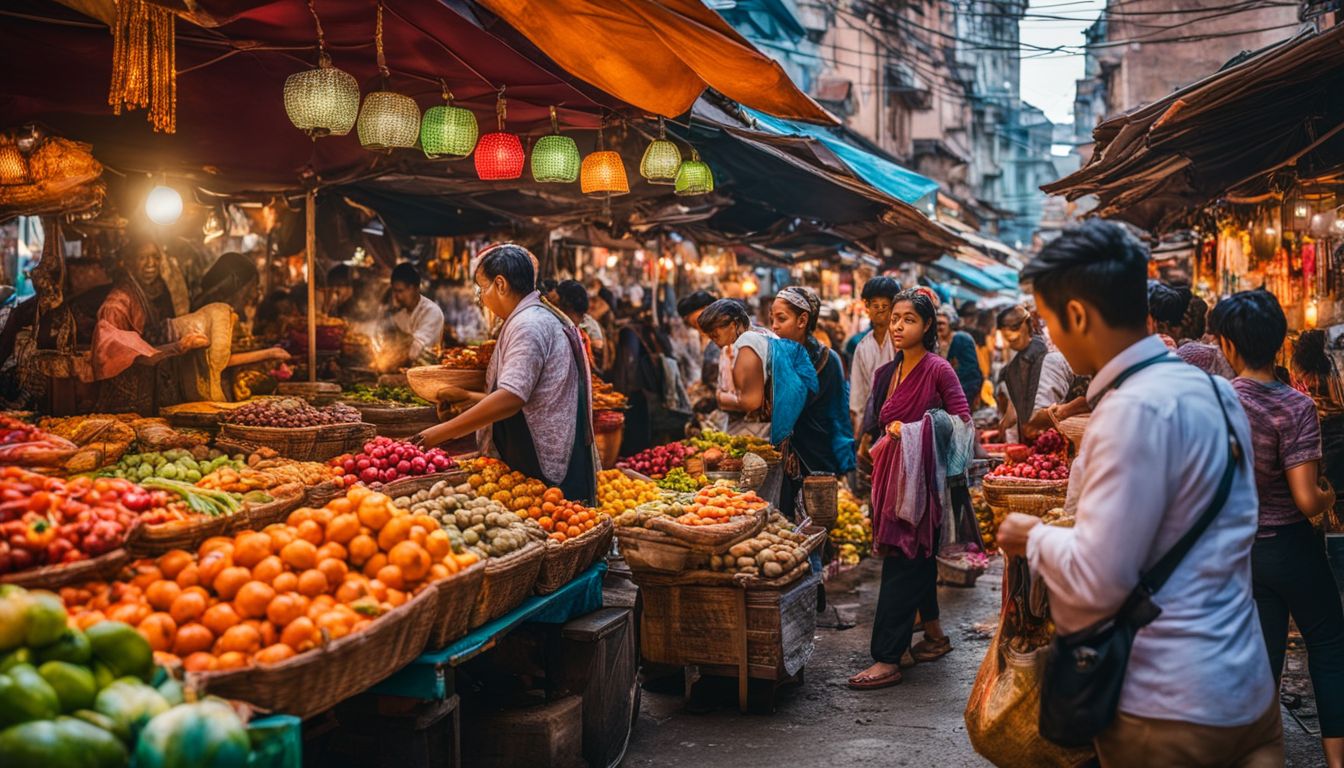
927	650
860	683
907	661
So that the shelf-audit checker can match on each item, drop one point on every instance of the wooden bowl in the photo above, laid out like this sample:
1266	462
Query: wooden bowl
427	380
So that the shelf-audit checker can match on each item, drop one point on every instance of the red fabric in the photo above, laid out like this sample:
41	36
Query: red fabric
118	337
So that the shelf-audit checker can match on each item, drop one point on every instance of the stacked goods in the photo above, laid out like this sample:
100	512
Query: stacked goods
289	412
383	395
174	464
492	479
658	460
773	552
1047	459
264	474
853	531
678	480
81	697
606	398
261	597
27	446
482	525
472	358
723	453
46	521
383	460
618	493
719	504
1032	480
102	439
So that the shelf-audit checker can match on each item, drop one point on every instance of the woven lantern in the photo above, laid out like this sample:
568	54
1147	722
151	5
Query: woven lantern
603	172
13	165
499	155
555	158
448	131
661	159
387	120
322	101
694	176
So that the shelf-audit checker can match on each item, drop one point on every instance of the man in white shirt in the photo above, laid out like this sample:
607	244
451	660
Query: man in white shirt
1198	688
416	316
874	350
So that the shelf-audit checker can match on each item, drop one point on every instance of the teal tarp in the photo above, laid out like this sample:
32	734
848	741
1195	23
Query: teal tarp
901	183
968	274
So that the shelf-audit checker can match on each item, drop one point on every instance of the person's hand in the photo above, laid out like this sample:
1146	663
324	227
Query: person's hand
277	353
894	430
193	341
1013	533
451	393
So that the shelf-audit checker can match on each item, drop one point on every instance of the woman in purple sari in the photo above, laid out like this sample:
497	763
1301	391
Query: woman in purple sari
908	427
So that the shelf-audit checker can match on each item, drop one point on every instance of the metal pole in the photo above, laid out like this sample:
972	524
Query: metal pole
310	246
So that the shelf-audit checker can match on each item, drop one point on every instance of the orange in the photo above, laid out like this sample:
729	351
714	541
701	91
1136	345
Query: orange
230	580
280	534
145	573
273	654
412	560
357	494
546	524
439	571
161	594
286	582
312	583
373	511
392	576
299	554
377	590
343	527
251	548
129	613
396	597
372	565
311	531
300	634
232	660
270	567
270	635
210	566
187	606
192	638
554	495
160	630
340	506
395	531
219	618
88	619
362	547
241	638
200	662
215	543
298	516
332	550
333	569
286	608
438	544
253	598
173	561
351	590
574	532
335	624
189	576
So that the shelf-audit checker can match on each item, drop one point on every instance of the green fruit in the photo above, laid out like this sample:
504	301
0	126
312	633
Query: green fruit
66	741
95	718
144	471
121	648
130	704
46	619
25	696
71	646
172	691
74	685
102	675
193	476
203	735
168	471
13	618
16	656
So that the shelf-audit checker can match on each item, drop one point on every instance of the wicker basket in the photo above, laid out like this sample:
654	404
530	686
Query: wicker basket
457	601
393	421
1031	497
427	380
317	680
409	486
99	568
646	550
712	539
284	499
564	560
154	540
821	499
302	443
508	582
317	393
609	447
1073	428
318	495
955	572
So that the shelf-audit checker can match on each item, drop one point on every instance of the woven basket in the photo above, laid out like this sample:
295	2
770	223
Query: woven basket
508	582
821	499
427	380
392	421
1031	497
318	495
284	499
1073	428
457	601
99	568
564	560
712	539
302	443
154	540
955	573
816	535
317	393
646	550
408	486
317	680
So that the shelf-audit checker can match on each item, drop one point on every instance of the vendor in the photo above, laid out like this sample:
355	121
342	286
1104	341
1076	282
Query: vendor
572	299
1036	378
538	373
744	366
416	316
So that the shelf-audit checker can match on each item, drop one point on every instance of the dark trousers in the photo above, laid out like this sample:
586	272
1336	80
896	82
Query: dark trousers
908	586
1292	577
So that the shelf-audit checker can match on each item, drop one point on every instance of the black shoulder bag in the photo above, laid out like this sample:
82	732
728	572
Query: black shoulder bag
1085	670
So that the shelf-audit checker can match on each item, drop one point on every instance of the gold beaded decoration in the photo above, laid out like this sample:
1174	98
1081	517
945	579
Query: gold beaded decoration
144	63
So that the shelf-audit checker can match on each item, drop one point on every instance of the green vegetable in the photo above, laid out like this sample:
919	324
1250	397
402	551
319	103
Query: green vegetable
16	656
61	743
73	684
25	696
13	619
130	703
71	646
123	650
171	690
46	619
203	735
200	500
95	718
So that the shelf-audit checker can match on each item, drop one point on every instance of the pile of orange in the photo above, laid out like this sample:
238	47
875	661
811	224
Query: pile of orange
718	504
264	596
492	479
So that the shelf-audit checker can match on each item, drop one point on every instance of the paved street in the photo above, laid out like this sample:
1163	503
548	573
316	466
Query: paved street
822	722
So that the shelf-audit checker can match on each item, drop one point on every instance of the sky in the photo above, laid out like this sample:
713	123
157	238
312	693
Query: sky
1048	79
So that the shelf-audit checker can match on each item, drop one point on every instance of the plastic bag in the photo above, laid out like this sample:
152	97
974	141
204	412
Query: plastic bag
1005	703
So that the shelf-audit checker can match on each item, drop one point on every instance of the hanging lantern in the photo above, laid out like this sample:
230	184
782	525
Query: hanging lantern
448	131
603	172
694	176
499	155
13	165
555	158
387	120
661	159
322	101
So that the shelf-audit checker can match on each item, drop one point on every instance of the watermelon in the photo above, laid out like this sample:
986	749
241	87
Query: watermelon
207	734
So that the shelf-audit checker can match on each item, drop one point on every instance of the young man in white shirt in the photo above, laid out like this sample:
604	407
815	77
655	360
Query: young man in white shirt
416	316
1197	689
874	350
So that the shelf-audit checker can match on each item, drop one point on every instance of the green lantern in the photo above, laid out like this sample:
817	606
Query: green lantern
555	158
661	159
448	131
694	176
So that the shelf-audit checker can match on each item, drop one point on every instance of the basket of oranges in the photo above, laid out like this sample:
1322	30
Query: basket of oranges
578	537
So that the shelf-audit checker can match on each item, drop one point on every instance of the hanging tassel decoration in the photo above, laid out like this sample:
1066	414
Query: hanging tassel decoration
144	63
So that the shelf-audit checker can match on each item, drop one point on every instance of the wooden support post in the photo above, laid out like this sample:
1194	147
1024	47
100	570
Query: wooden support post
310	248
743	669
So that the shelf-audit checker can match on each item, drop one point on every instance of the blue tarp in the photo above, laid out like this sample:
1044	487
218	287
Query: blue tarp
901	183
968	274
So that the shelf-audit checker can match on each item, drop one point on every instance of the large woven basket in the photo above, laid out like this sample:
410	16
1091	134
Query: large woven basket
302	443
1030	497
154	540
427	380
712	539
317	680
392	421
99	568
318	393
816	535
457	601
564	560
1073	428
508	582
821	499
646	550
284	499
408	486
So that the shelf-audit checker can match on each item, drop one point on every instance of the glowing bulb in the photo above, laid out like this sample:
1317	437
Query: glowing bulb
707	269
1300	211
163	206
1309	314
750	287
1269	231
1316	219
1339	223
612	261
665	263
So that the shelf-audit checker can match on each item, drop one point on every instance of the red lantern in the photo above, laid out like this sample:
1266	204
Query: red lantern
499	155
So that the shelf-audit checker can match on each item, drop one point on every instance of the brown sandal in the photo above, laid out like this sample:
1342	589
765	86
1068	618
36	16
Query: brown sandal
874	683
927	650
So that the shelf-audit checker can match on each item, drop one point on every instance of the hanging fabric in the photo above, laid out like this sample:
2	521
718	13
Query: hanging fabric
144	63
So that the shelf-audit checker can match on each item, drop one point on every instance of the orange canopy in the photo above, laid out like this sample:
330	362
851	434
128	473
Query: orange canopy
658	55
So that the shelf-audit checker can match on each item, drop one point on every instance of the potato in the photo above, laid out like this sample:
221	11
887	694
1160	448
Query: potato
745	562
772	570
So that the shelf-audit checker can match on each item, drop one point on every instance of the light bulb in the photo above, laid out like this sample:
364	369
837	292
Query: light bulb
1269	231
163	205
612	261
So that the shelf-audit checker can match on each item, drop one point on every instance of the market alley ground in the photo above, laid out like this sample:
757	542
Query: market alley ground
822	722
